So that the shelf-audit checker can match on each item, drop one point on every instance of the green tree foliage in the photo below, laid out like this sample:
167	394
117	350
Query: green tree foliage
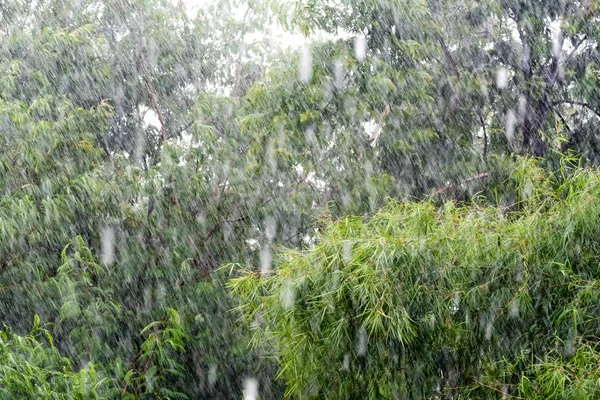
474	301
460	81
142	146
31	367
105	227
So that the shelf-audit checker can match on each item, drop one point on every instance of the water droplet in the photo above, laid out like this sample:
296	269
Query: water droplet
360	48
347	252
522	106
266	260
513	311
346	362
250	389
107	241
557	43
305	67
288	296
270	228
361	346
488	330
509	126
501	78
212	375
338	74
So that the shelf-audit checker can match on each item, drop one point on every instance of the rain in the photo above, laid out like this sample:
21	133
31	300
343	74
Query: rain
296	199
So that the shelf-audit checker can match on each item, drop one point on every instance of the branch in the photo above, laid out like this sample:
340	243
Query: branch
448	55
184	127
563	121
485	137
456	185
578	103
498	390
238	72
146	72
373	137
572	53
152	92
148	79
238	76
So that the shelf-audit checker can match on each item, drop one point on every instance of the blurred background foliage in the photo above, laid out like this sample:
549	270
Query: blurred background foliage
144	143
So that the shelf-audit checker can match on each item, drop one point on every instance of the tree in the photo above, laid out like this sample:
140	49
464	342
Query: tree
463	81
100	239
422	301
142	146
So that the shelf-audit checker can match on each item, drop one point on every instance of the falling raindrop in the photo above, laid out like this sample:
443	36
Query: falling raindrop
509	125
309	134
346	362
212	376
107	241
513	311
484	89
305	67
455	302
270	228
346	199
361	346
347	252
360	48
488	330
557	43
522	107
271	158
526	57
250	389
501	78
431	320
505	391
288	296
560	72
228	232
338	74
266	260
140	145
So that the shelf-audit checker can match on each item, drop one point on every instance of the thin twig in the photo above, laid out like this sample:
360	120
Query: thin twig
485	137
578	103
147	77
572	53
152	92
497	390
238	72
448	55
455	185
379	126
563	120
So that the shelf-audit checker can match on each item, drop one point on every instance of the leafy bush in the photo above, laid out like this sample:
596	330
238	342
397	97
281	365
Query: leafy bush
32	368
420	301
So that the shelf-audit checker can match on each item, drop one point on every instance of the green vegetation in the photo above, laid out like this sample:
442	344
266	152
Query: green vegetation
418	301
401	199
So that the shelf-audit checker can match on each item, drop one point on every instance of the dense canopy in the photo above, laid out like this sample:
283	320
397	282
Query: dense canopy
454	301
428	150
